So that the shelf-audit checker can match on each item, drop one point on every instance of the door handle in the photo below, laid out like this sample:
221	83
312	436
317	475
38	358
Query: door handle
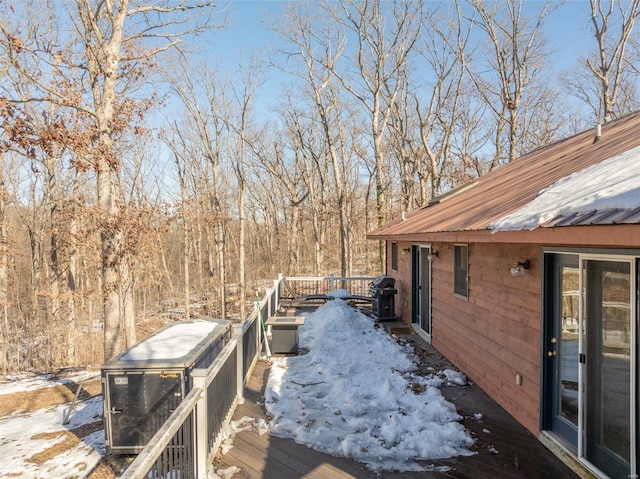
552	354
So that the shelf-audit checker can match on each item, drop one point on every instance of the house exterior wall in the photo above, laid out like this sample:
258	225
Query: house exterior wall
495	333
403	280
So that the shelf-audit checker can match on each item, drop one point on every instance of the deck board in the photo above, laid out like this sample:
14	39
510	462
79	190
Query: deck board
508	451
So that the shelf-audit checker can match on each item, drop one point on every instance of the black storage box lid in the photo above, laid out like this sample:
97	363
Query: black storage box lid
175	346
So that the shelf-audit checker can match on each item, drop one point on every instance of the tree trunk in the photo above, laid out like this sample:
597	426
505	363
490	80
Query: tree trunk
54	312
4	280
242	273
222	274
127	289
109	240
167	273
72	274
185	264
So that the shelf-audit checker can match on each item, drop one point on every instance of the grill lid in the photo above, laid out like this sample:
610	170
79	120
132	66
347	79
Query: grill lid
383	282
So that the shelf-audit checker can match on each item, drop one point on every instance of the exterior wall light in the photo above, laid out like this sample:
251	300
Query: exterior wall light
518	268
432	255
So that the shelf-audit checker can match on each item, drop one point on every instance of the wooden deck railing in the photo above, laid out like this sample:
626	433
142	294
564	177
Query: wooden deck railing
186	444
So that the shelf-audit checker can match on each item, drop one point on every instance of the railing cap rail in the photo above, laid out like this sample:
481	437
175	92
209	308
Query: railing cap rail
158	443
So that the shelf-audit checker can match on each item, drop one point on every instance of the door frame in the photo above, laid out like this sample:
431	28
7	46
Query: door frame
421	252
549	393
631	256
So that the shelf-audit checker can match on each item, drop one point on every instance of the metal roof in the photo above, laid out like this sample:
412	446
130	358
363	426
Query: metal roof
604	217
476	205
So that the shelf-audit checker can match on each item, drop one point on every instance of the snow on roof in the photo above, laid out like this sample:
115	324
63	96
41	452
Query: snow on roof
613	184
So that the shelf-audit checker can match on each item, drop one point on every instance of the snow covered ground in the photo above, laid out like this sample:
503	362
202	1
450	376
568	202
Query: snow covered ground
28	441
355	393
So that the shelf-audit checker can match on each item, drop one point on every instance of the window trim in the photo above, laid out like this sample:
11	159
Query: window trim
394	256
458	270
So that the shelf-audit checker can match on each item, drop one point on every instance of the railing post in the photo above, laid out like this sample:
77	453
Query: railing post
239	361
199	377
276	290
258	327
331	282
267	294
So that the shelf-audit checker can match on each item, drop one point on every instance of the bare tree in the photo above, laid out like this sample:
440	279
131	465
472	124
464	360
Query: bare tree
241	135
385	41
515	62
310	153
278	160
109	47
445	50
111	50
318	46
198	146
607	81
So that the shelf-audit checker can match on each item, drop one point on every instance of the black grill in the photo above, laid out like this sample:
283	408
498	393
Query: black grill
382	290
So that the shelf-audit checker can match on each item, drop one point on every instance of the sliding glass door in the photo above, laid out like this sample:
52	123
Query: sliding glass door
590	358
607	331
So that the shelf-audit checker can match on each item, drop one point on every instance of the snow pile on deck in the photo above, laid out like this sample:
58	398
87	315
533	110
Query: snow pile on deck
610	184
351	395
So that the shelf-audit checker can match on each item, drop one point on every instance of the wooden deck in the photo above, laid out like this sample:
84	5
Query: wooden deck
507	451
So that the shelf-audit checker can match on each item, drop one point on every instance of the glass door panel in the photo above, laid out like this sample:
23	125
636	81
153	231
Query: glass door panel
608	344
425	290
561	346
568	338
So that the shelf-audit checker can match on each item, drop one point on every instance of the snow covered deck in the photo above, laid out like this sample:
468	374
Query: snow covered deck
502	447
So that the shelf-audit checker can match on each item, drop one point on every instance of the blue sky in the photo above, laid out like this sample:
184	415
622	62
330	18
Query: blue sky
246	31
566	30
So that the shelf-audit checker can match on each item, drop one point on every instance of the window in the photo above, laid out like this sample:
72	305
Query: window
394	256
461	270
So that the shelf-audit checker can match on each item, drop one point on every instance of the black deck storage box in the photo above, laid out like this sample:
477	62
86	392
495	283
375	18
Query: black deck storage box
142	386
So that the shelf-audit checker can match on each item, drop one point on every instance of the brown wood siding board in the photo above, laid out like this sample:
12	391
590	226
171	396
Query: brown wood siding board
476	324
493	376
623	236
495	335
508	299
497	330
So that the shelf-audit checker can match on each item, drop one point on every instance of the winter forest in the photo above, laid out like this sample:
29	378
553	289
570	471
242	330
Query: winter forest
139	175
